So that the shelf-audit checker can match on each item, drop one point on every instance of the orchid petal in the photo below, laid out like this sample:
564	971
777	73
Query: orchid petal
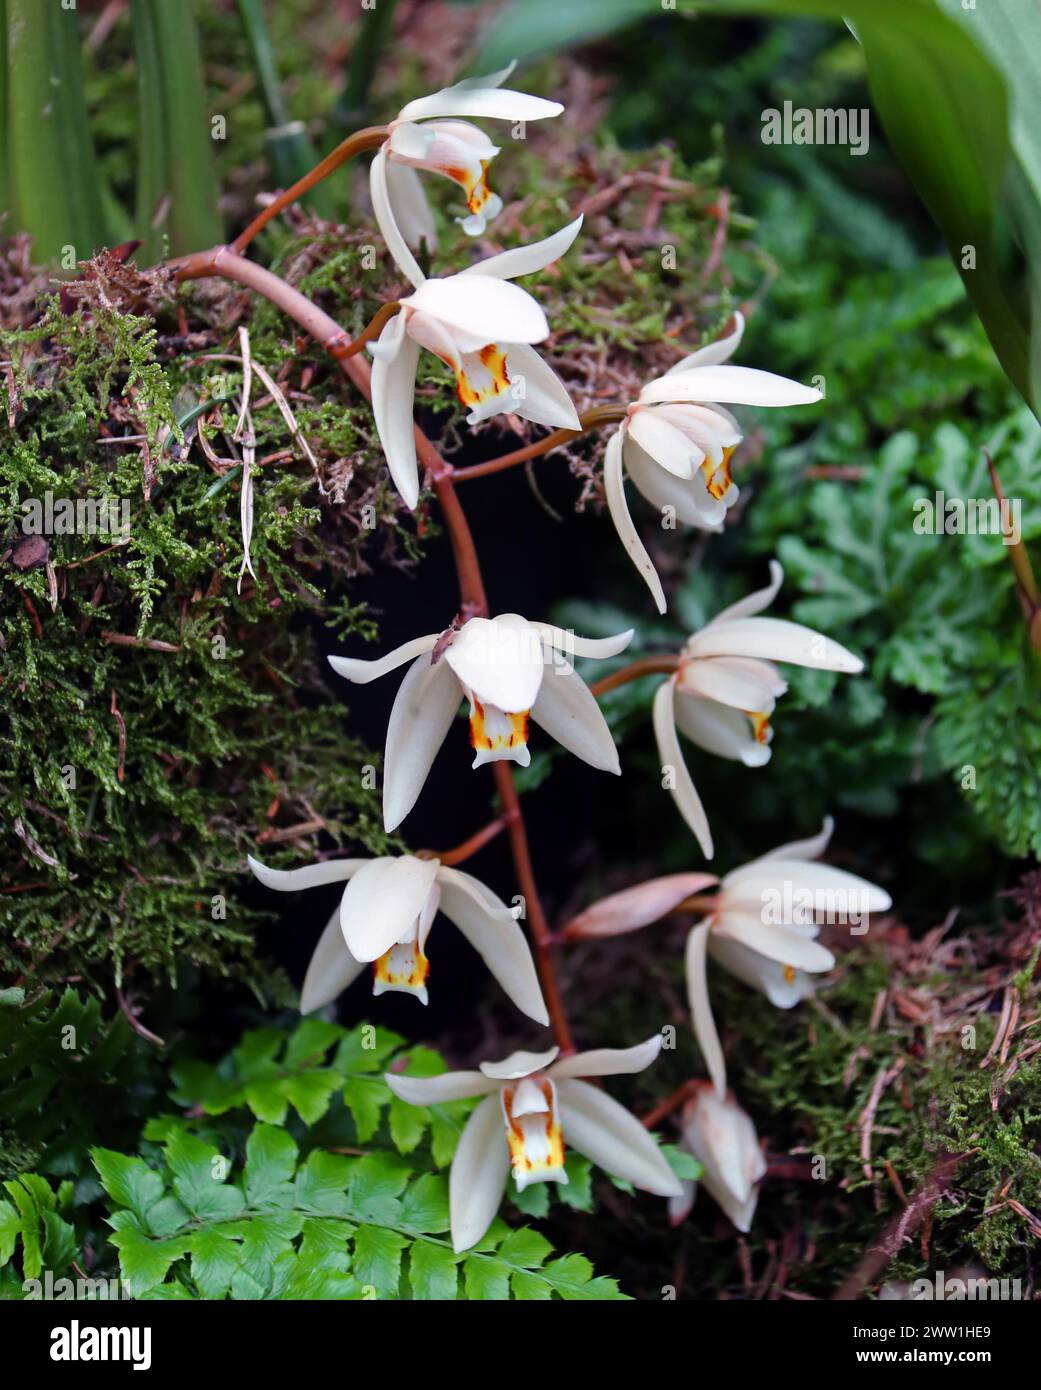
607	1134
331	968
783	944
393	396
519	1064
567	709
479	1173
386	221
526	260
693	504
752	604
359	671
310	876
438	1090
491	103
422	713
720	730
500	660
684	793
811	848
382	902
614	489
664	443
609	1061
730	385
637	907
409	205
701	1007
536	392
804	878
493	311
496	937
564	640
744	683
713	353
774	639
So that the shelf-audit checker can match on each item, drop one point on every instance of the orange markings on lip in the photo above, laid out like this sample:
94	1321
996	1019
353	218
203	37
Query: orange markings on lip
411	970
718	479
553	1158
476	189
482	740
789	974
760	725
493	359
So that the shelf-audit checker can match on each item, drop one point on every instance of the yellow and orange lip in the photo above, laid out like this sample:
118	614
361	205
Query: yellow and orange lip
404	966
760	725
493	359
485	742
718	479
527	1167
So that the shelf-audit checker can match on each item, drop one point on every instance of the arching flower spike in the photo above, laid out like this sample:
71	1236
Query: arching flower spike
384	919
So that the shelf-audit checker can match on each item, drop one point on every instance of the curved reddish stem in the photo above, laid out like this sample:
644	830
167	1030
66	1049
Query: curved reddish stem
223	261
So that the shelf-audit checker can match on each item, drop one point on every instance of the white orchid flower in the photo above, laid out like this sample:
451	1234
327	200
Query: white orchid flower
482	326
762	926
676	442
541	1104
384	919
431	134
726	687
723	1139
508	669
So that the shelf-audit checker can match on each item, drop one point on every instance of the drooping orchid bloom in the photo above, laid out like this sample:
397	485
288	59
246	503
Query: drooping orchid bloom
384	918
482	326
430	134
676	442
509	669
722	1138
541	1104
726	687
762	926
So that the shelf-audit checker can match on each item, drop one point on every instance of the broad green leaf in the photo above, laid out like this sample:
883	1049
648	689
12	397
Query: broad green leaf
433	1271
271	1156
424	1206
310	1092
408	1124
364	1097
10	1225
143	1263
377	1182
321	1184
200	1178
377	1258
215	1258
128	1181
530	1288
525	1247
486	1278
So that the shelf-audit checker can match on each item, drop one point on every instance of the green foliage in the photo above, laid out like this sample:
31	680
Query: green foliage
288	1171
70	1079
137	775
